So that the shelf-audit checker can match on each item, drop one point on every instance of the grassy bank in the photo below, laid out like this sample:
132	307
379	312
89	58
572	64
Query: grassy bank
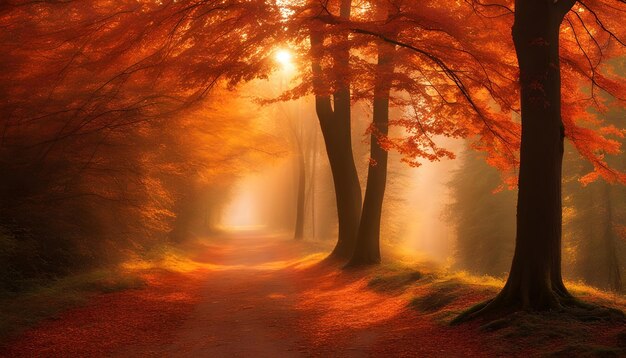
442	295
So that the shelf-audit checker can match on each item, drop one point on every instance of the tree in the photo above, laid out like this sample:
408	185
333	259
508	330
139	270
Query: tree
367	248
427	88
108	134
128	62
335	123
535	280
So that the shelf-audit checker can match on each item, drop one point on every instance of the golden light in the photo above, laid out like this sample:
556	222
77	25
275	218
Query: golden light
284	58
241	213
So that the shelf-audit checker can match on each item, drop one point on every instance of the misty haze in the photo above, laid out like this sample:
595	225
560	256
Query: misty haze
312	178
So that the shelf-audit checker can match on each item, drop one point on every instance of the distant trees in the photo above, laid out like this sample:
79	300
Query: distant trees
108	140
99	196
483	220
592	224
592	221
597	213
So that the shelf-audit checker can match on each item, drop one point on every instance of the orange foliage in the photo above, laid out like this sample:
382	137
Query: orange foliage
114	63
456	74
109	102
109	133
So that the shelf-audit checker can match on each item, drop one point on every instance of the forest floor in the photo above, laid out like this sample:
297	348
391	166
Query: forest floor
264	296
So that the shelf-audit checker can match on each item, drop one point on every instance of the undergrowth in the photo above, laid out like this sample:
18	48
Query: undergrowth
46	298
442	295
19	311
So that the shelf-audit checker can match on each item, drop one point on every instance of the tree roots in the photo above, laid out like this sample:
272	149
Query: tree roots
559	303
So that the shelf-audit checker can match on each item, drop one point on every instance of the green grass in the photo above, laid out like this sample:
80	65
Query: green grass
19	311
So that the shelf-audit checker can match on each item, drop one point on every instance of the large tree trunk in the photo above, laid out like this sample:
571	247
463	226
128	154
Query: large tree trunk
367	250
535	281
535	278
336	129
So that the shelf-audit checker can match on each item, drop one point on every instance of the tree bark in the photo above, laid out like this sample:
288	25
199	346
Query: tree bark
535	278
535	282
367	250
336	129
312	180
299	229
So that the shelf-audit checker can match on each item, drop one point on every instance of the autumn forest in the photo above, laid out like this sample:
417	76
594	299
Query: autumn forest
312	178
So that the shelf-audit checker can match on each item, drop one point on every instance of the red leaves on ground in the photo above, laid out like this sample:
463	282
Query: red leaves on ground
145	317
260	297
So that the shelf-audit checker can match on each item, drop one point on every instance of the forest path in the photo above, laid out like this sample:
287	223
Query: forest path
251	297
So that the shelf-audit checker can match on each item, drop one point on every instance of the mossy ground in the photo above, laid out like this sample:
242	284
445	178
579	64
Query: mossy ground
443	295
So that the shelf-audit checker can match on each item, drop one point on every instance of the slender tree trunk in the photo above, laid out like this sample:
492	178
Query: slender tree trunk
337	139
312	180
336	129
299	229
367	250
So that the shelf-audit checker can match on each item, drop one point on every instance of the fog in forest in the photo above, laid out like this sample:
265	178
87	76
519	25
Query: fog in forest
312	178
457	213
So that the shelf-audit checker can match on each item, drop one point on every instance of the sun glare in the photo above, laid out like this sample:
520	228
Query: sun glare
284	58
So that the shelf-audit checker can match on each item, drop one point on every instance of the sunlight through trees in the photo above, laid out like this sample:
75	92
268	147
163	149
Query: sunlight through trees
465	138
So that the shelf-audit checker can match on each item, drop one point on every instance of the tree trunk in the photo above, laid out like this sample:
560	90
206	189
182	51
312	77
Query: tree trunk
299	229
367	250
535	281
312	180
337	139
336	129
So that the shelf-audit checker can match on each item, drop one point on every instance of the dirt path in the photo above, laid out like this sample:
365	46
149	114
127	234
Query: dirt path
255	297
